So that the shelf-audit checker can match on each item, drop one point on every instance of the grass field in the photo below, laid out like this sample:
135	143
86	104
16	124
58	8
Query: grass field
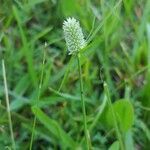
41	95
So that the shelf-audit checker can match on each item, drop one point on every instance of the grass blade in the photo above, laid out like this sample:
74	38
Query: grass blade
54	128
7	103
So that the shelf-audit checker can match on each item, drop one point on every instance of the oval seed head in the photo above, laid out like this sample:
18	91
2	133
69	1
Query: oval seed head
73	35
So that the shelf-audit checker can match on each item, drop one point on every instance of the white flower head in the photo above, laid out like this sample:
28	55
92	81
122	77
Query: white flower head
73	35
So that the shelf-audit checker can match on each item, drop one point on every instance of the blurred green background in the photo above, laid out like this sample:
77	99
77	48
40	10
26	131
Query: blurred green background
118	52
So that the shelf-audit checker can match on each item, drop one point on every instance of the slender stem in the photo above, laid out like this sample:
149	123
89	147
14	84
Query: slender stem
8	107
32	136
114	116
66	74
98	115
96	119
83	105
145	108
38	98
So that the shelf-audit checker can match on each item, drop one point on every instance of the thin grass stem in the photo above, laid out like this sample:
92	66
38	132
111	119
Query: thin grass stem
114	116
87	137
7	104
66	74
38	98
96	119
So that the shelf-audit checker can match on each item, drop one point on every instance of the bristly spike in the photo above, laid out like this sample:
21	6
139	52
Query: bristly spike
73	35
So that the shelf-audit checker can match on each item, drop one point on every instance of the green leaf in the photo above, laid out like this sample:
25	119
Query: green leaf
114	146
124	114
54	128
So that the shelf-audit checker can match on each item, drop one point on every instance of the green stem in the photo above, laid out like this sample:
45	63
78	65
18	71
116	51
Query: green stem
98	115
114	116
96	119
83	105
32	136
66	74
38	98
7	104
